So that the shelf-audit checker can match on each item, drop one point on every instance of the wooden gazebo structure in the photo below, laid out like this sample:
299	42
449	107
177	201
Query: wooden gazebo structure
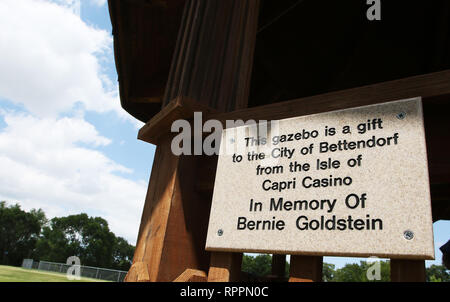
261	59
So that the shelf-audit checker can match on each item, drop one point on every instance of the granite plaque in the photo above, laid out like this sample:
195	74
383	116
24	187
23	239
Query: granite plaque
351	182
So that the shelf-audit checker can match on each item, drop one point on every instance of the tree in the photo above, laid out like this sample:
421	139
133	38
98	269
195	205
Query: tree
31	235
122	254
328	272
19	233
354	272
351	272
437	273
259	266
88	238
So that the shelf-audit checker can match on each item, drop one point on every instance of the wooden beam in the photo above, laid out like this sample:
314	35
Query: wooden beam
155	216
408	270
214	54
440	196
225	267
305	268
192	275
175	219
278	265
160	124
138	272
427	86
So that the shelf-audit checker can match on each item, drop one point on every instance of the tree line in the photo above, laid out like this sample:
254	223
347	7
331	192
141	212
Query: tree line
261	265
31	235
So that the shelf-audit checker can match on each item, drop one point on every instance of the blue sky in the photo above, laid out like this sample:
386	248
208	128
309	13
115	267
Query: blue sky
66	146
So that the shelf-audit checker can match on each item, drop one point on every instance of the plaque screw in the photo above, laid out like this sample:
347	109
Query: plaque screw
401	115
409	235
220	232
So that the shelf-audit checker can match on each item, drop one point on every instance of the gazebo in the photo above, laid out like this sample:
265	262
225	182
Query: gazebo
266	60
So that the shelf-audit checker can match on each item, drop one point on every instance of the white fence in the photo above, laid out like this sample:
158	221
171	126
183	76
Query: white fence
86	271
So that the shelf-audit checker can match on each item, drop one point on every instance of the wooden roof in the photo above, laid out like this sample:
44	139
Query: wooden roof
145	34
303	48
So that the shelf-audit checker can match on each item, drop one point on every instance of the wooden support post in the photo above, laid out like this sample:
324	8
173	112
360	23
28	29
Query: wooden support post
408	270
225	267
212	65
305	268
278	265
174	221
192	275
214	54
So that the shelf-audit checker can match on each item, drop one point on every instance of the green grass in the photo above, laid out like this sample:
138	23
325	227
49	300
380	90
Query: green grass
18	274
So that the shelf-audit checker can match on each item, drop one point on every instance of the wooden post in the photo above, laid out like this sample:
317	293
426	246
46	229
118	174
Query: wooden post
408	270
214	54
191	275
211	66
225	267
171	234
278	265
305	268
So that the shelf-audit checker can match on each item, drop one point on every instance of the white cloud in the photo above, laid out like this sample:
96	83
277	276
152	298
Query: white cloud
51	64
73	5
52	164
49	58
